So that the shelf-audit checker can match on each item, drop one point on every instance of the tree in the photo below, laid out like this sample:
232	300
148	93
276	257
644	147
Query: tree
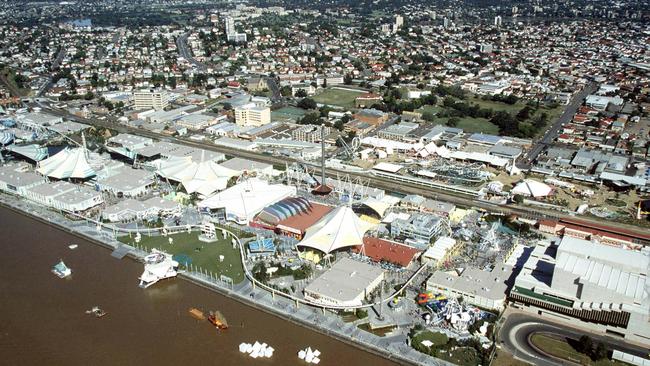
301	93
285	91
428	116
585	344
519	199
453	122
347	79
600	352
307	103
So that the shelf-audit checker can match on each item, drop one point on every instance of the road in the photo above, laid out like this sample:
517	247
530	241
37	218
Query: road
55	66
186	53
373	181
518	327
553	131
275	89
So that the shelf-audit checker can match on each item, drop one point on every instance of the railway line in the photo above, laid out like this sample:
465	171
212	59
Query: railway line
457	197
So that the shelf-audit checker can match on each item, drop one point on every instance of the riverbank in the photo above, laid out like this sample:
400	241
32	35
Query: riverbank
392	348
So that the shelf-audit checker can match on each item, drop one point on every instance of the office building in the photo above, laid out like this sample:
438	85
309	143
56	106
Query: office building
156	99
252	115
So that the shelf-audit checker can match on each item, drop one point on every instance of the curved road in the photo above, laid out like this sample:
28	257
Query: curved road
518	327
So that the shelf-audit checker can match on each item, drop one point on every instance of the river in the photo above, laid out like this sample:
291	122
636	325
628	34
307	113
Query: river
43	319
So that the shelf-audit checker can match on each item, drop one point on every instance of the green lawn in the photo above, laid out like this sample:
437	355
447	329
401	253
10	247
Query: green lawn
471	125
287	113
497	106
438	339
337	97
463	356
561	349
187	247
429	108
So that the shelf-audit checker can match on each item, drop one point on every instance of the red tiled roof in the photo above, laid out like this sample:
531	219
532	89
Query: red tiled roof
380	249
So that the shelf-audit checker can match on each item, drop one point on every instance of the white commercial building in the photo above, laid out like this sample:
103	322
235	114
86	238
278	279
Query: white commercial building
127	145
487	289
14	180
65	196
347	283
590	285
252	115
156	99
126	181
240	203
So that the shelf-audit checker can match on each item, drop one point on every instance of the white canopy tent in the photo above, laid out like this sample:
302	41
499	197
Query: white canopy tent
68	163
529	187
205	177
246	199
338	229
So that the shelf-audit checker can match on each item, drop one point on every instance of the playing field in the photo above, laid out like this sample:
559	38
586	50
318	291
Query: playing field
287	114
337	97
472	125
187	249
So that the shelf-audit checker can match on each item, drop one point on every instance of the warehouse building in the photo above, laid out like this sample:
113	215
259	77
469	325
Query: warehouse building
347	283
590	285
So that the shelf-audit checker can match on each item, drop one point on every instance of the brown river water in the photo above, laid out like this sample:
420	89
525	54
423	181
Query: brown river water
43	319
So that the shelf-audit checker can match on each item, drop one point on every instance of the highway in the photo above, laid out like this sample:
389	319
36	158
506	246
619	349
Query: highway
373	181
186	53
553	131
515	333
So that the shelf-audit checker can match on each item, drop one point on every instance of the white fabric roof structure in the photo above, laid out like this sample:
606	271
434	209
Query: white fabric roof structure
33	152
378	206
205	177
338	229
378	142
533	188
246	199
68	163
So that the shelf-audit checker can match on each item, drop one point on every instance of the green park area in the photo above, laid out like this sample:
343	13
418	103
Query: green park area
560	348
188	249
337	97
496	115
447	349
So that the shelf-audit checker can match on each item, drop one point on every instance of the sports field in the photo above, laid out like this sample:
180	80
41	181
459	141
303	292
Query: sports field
337	97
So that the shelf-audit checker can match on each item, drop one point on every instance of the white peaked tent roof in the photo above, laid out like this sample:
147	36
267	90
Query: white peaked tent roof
338	229
529	187
67	163
204	177
428	149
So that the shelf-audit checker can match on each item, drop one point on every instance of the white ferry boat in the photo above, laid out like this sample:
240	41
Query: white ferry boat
61	270
157	266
